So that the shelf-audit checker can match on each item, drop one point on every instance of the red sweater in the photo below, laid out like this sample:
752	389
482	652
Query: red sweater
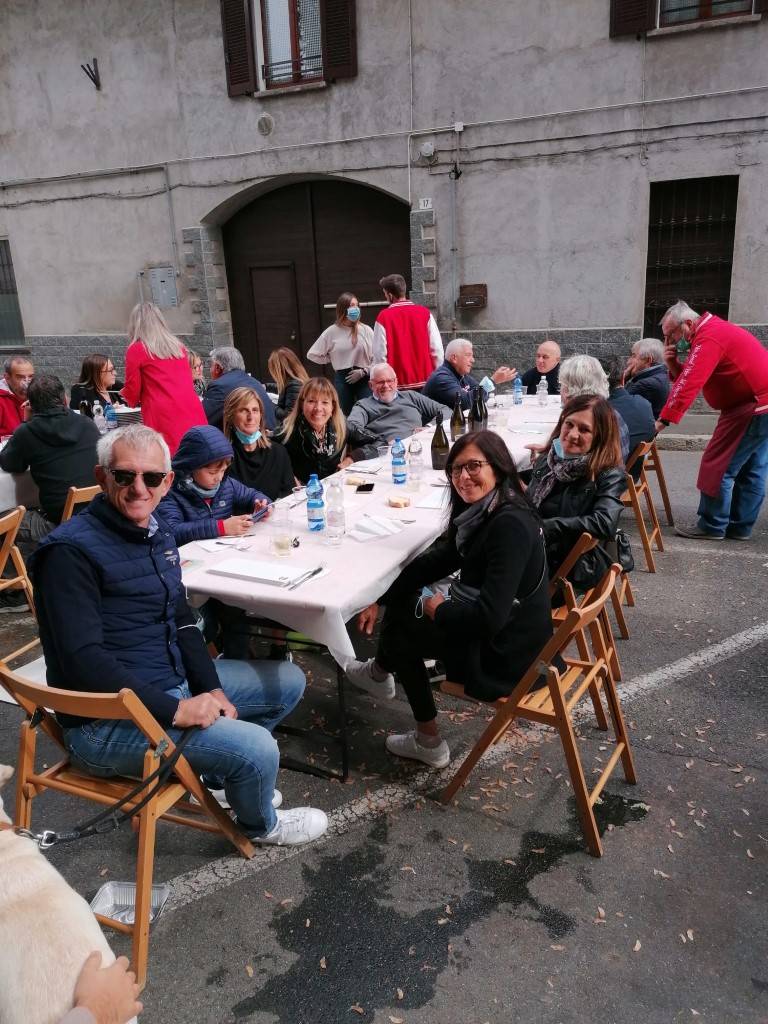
408	352
726	362
10	412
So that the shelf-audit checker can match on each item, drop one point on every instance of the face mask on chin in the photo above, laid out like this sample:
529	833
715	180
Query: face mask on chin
557	444
247	438
204	492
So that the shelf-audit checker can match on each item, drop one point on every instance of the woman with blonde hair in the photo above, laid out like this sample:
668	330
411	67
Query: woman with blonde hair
257	463
287	372
158	377
348	346
196	369
314	434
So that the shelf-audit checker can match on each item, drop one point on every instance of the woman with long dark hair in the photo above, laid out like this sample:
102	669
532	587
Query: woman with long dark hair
577	484
348	346
496	617
98	383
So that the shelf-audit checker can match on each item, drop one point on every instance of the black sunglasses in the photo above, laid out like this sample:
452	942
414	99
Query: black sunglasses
125	477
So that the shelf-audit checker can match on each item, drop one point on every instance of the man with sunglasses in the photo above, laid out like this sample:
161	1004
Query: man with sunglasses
113	615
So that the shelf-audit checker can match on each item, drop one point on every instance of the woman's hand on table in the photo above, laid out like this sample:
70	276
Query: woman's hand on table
346	461
431	604
366	620
236	526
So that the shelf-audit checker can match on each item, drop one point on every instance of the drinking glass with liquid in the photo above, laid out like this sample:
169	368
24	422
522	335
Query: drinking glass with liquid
415	465
280	537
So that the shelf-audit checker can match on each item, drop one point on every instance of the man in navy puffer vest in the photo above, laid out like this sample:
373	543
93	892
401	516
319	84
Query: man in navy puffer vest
113	615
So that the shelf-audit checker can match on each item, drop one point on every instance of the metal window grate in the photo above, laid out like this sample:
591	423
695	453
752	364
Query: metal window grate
690	246
11	329
292	48
676	12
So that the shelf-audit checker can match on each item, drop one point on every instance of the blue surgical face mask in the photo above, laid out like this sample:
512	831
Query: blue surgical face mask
353	313
557	444
247	438
204	492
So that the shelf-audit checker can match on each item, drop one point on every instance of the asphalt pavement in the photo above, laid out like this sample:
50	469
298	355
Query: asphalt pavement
490	910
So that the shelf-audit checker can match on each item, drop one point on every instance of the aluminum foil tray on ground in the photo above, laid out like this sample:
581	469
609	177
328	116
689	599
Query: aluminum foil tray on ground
118	900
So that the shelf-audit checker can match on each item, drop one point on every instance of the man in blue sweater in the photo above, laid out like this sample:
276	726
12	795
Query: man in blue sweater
113	615
228	373
453	376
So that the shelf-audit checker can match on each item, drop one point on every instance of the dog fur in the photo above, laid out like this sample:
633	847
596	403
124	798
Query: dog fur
46	932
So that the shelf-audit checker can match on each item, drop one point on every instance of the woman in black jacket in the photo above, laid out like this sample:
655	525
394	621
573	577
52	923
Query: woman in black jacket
314	434
496	618
577	484
98	383
258	462
290	376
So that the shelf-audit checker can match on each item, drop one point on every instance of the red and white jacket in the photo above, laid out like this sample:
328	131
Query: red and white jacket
406	336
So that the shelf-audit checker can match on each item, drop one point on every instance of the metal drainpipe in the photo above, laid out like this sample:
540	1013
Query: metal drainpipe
454	175
171	220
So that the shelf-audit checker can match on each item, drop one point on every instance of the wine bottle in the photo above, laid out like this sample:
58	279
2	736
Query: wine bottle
440	446
483	409
458	426
476	413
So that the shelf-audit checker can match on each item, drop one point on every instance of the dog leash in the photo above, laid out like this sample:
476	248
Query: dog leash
112	817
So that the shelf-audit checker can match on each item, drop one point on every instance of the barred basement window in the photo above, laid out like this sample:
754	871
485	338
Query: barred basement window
11	328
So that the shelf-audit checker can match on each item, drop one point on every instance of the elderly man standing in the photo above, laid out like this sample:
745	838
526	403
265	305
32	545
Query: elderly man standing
228	373
19	372
547	365
646	375
389	413
406	335
113	614
453	377
730	366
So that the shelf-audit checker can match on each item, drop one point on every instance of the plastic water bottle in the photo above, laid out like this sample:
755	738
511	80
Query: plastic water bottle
98	418
542	391
110	416
336	521
315	505
399	468
517	392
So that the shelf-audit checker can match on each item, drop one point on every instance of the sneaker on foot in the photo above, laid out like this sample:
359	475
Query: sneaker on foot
361	674
299	825
738	536
406	745
695	532
221	798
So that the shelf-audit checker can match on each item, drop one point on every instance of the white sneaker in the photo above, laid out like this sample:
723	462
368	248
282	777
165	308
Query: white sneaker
406	745
221	798
299	825
360	673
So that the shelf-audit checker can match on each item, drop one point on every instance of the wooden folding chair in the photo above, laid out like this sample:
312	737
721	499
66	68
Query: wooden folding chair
78	496
9	528
184	782
653	465
553	705
631	499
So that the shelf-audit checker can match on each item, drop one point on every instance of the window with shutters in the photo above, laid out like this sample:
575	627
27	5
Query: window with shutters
633	17
11	329
691	225
274	44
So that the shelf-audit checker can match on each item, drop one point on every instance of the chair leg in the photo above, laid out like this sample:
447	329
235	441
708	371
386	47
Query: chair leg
618	611
493	731
662	482
650	563
144	871
578	781
344	739
612	658
656	533
626	586
620	730
26	765
21	571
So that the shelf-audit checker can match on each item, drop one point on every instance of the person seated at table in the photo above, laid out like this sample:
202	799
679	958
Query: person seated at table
453	377
547	365
98	383
228	373
578	482
635	410
389	413
205	503
257	462
19	371
113	615
496	618
314	433
196	369
646	373
583	375
286	371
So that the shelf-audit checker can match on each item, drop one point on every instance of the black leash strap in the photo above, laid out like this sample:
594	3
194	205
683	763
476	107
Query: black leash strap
112	818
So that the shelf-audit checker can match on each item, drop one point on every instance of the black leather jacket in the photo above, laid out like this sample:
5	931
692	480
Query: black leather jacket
583	506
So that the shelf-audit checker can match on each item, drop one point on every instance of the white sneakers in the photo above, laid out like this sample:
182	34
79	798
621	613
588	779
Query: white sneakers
299	825
407	745
221	798
361	674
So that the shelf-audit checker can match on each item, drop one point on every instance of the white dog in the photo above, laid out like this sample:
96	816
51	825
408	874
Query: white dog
46	932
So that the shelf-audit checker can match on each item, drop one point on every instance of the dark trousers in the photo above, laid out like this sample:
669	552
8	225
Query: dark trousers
349	393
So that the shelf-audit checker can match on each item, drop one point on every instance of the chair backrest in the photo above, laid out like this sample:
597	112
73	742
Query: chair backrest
638	455
9	527
78	496
560	579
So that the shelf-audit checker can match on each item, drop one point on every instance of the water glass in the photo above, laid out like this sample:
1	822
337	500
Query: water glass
415	465
280	535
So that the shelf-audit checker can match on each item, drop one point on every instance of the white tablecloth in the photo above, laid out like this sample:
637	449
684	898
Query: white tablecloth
17	489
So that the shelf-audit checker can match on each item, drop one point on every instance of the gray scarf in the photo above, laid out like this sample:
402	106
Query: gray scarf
559	470
471	519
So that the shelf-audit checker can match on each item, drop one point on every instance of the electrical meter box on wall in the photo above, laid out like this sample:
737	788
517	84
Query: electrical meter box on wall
162	281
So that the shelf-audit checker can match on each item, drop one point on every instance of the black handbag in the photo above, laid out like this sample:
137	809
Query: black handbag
594	564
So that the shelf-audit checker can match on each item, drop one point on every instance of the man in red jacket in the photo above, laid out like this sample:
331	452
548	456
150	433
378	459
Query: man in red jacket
19	371
730	366
406	336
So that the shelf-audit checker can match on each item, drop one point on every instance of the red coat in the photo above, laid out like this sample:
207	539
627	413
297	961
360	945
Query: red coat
164	389
10	412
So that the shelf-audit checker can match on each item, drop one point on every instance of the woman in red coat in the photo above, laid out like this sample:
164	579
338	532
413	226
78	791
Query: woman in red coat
158	377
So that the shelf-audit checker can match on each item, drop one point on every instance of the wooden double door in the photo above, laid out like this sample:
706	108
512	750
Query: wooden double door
291	253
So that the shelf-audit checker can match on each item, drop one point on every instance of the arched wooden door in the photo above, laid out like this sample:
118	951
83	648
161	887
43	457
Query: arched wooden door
291	252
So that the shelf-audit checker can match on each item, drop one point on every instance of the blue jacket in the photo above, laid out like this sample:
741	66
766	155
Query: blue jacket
218	390
443	384
638	416
112	611
653	385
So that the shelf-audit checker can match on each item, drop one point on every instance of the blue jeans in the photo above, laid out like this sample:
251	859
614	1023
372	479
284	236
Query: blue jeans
735	509
240	753
349	393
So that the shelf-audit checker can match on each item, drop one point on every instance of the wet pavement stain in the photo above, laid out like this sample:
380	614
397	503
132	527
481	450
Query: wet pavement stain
370	949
